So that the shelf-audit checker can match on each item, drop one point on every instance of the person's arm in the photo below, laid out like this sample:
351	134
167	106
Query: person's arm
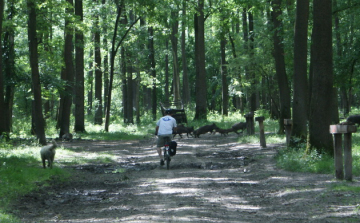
156	130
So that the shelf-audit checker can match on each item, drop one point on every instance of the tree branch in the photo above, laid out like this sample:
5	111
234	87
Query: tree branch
127	31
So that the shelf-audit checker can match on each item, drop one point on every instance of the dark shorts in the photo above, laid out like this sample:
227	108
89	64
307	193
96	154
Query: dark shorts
161	141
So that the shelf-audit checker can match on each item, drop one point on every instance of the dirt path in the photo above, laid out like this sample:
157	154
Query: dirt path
212	179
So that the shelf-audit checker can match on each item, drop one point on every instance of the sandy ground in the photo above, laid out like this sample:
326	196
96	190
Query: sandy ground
211	179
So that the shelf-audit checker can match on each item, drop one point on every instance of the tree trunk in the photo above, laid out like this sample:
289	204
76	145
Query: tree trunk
152	72
129	82
8	67
2	107
106	63
67	75
224	83
300	101
90	82
345	104
174	42
112	64
284	90
167	93
98	76
246	48
185	88
36	86
201	86
321	107
254	92
124	83
79	73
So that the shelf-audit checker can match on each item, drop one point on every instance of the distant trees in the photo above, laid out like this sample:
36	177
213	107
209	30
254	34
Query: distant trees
221	56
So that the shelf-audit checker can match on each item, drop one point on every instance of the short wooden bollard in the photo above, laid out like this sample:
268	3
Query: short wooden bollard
250	128
262	132
337	131
288	128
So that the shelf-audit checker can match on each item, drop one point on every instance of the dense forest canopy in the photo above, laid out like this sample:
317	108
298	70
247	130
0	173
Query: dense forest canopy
101	60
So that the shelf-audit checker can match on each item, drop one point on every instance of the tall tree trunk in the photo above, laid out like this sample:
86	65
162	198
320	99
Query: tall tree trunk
106	60
246	48
174	42
98	75
254	92
345	105
124	84
167	93
201	86
224	83
300	82
113	52
67	75
2	107
129	83
79	73
284	90
9	67
137	96
90	82
322	106
236	99
36	85
185	88
152	71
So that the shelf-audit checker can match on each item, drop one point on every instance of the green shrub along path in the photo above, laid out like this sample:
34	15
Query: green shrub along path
213	178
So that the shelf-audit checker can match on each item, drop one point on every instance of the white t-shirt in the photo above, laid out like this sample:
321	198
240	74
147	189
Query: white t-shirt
166	125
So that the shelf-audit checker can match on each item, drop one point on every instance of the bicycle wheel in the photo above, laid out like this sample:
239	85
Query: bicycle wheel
167	161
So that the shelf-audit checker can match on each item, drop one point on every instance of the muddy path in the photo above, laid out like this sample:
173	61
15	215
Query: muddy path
212	179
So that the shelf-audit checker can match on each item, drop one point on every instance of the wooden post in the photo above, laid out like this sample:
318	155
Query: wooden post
348	156
337	131
288	128
262	133
338	157
250	123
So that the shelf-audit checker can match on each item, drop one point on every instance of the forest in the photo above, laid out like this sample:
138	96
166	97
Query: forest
114	61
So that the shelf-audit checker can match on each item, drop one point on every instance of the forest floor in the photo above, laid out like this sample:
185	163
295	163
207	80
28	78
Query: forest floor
211	179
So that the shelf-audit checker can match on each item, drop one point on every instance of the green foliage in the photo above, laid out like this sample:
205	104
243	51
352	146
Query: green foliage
296	160
7	218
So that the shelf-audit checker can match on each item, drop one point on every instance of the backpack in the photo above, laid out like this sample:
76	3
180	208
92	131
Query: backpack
172	148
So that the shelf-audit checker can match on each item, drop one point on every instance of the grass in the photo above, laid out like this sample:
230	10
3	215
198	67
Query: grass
21	171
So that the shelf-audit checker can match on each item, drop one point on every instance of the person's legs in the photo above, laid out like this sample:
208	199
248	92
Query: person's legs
159	150
160	144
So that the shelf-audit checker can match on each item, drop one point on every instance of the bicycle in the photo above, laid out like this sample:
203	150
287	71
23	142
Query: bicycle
166	152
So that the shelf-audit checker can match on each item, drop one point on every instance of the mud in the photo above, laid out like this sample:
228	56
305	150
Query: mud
211	179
